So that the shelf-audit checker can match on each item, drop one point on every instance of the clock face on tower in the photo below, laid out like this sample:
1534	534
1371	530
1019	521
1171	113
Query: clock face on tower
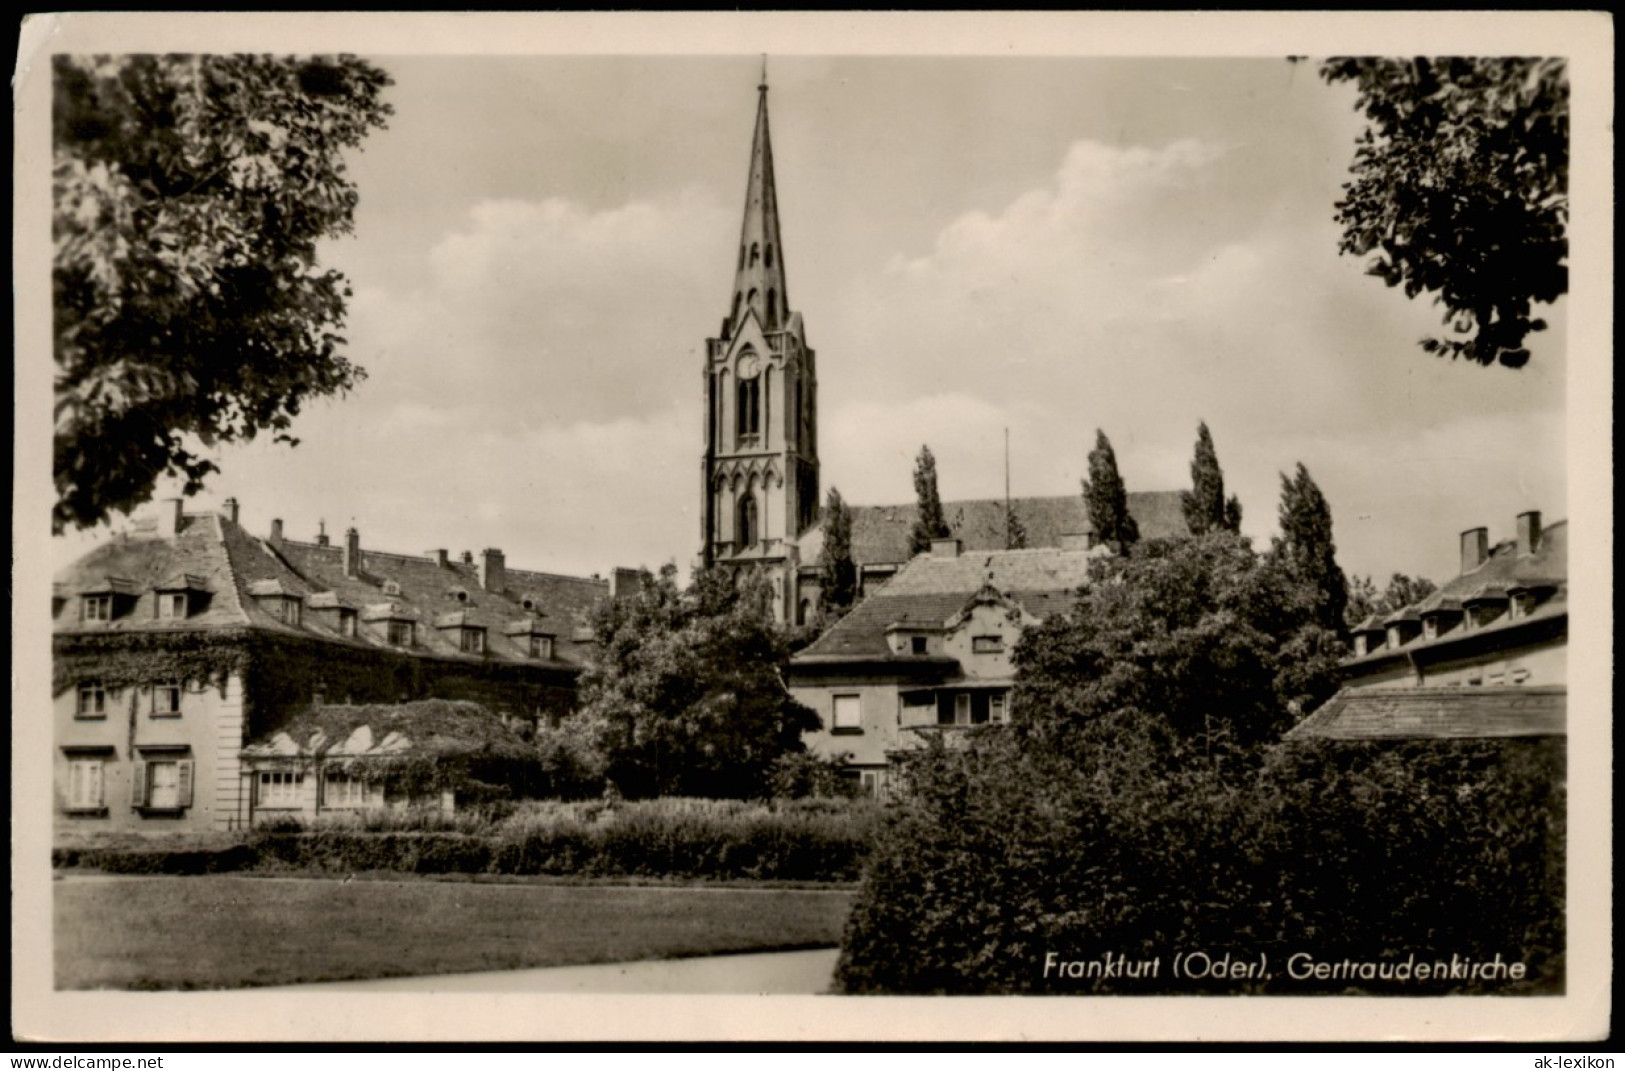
749	366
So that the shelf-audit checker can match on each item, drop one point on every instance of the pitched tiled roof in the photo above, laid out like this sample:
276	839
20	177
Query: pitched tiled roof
1502	571
880	533
1436	713
929	590
232	567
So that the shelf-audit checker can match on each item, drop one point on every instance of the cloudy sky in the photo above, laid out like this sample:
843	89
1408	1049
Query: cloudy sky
1044	244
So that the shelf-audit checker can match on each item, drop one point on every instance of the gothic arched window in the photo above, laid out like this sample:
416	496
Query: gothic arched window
772	307
770	254
745	530
749	409
755	253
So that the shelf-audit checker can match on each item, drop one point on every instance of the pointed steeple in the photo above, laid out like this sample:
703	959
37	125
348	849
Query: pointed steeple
759	280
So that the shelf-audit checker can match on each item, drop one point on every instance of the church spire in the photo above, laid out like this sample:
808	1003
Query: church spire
759	279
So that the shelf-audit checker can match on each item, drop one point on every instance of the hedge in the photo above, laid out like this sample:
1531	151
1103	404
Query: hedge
1374	852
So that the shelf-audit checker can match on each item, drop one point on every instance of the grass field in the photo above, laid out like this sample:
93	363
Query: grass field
225	931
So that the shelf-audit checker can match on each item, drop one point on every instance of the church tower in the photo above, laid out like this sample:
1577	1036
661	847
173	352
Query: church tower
760	469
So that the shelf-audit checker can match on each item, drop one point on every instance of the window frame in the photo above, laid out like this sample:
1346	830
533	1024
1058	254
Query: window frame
279	790
853	702
998	708
396	628
96	608
471	640
353	794
347	622
99	691
173	606
76	802
176	688
990	644
962	706
918	645
143	781
541	647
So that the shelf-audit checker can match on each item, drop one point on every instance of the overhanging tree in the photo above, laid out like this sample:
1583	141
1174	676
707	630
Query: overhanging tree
1205	507
929	522
1460	190
837	572
189	195
1107	499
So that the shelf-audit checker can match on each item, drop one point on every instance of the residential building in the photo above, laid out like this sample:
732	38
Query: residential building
929	651
1483	656
185	639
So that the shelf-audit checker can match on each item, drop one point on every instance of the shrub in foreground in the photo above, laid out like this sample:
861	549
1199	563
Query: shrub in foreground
1002	857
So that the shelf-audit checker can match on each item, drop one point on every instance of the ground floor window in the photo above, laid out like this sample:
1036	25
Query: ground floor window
86	784
341	791
162	784
281	788
998	712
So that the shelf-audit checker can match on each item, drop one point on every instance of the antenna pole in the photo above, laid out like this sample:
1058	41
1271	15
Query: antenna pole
1007	471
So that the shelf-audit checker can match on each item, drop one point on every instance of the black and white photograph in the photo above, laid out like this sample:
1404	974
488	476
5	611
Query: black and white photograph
698	527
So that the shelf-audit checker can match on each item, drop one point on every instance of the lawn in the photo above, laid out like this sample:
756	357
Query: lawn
226	931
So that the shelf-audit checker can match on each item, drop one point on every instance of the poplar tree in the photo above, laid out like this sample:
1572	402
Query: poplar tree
1305	546
1106	498
929	522
1206	508
837	572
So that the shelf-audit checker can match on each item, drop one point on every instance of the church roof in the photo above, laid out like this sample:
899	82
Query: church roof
759	280
880	533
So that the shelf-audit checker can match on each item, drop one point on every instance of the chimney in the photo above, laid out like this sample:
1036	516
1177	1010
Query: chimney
352	553
468	557
945	548
231	510
440	557
1475	548
623	583
493	570
276	531
1076	540
1528	532
321	533
169	517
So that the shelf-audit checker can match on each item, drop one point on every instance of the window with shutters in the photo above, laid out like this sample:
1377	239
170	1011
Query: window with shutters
161	785
87	785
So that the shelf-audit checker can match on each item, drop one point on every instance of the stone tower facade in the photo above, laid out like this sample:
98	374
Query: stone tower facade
760	469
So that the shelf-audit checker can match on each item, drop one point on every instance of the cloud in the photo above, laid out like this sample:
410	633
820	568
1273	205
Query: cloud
545	310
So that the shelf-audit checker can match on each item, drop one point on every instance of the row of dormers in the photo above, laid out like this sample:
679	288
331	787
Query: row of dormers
1438	616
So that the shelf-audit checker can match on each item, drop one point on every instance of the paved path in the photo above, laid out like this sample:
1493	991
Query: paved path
758	972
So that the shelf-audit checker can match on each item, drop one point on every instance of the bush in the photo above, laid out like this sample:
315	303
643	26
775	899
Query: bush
348	851
158	860
1001	856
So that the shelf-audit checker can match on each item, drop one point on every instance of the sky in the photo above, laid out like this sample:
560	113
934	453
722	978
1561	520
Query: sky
1045	244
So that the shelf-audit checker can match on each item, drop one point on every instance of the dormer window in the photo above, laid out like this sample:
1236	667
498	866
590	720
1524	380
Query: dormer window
392	587
1522	605
96	608
541	647
400	633
289	608
346	621
472	641
917	644
172	605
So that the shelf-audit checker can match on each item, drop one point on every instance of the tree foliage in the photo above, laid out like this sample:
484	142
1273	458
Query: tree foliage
1214	641
683	695
929	522
189	195
1205	507
1107	499
837	571
1015	533
1305	546
1460	190
1364	599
